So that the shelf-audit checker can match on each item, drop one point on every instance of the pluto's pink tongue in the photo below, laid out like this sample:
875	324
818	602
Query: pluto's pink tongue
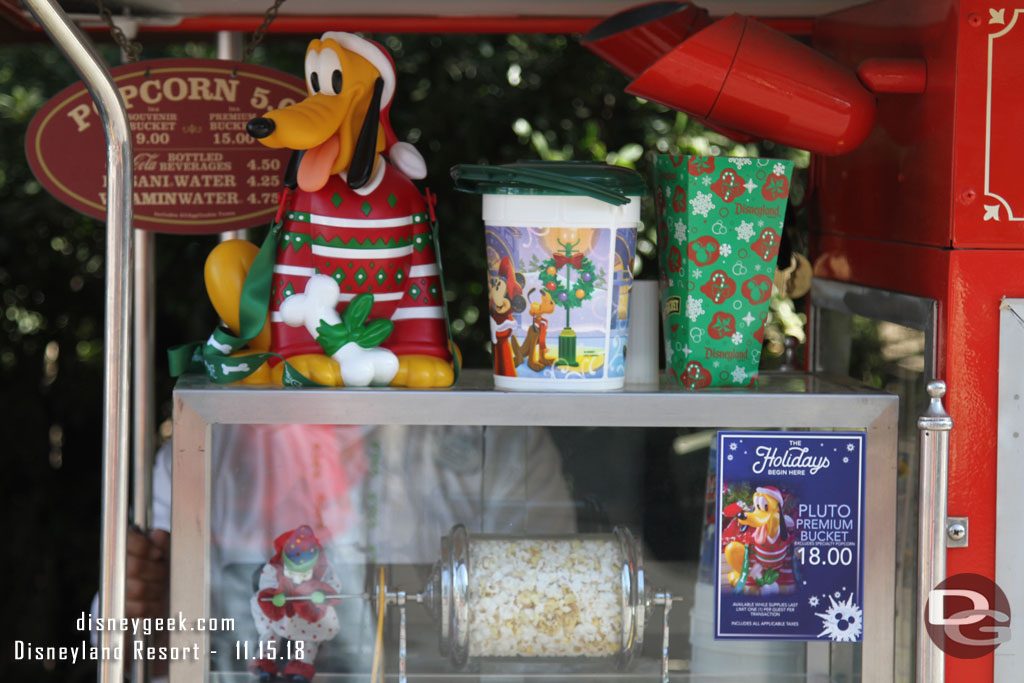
315	167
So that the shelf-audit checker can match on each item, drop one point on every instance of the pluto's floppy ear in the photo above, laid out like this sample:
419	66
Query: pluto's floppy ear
365	153
291	171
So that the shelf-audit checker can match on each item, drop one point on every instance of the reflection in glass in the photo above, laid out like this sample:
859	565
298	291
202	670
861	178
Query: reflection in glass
893	358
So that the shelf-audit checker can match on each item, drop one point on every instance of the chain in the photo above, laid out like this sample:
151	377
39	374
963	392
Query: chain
258	34
130	48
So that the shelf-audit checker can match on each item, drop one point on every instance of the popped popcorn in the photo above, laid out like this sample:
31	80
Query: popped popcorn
545	598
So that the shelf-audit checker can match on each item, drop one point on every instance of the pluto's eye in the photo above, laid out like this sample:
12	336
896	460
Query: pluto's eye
312	77
323	72
329	72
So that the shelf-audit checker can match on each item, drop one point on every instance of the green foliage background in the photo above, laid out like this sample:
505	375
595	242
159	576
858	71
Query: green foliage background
460	99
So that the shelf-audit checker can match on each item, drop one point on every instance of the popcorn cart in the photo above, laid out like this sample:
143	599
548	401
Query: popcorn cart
521	549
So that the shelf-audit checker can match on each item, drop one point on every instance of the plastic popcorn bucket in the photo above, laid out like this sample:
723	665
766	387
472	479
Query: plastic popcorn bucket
719	225
561	237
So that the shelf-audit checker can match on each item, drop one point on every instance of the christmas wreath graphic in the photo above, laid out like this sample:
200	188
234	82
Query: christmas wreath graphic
569	290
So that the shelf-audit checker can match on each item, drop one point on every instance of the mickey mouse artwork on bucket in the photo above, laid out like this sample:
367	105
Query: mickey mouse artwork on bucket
346	289
561	237
719	226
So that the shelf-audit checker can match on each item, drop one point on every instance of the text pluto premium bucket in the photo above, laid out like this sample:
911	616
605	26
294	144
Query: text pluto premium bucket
561	237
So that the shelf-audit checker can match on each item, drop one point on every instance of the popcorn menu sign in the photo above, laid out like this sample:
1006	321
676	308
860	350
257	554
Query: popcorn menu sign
196	169
790	532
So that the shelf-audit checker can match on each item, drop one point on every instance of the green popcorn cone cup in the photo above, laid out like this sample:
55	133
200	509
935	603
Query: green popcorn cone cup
719	226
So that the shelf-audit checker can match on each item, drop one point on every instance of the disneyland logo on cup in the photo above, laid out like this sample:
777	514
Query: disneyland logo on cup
757	210
967	616
795	457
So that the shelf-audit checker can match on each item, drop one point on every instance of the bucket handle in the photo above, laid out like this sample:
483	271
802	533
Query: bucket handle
466	176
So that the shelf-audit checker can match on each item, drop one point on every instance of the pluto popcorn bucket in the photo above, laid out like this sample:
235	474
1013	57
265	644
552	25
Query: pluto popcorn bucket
719	225
561	237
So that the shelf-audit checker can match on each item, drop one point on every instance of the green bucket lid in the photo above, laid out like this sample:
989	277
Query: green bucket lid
611	184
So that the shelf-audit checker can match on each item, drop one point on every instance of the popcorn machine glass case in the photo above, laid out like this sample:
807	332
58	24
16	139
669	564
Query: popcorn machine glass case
476	535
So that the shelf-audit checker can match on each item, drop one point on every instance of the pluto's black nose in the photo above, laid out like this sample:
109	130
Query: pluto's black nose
260	127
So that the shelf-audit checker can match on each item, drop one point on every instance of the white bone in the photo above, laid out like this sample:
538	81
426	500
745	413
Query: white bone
223	348
241	367
362	367
359	367
317	303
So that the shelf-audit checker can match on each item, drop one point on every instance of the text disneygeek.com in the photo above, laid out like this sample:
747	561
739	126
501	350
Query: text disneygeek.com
136	649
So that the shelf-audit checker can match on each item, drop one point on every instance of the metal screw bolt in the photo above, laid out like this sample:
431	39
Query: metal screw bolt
956	531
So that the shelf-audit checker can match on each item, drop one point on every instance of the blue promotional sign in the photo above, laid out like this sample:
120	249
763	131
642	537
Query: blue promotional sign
790	536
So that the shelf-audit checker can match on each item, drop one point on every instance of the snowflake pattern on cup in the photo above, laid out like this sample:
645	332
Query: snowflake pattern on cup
725	222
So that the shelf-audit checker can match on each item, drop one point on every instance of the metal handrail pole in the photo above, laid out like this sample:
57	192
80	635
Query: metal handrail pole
143	396
117	325
934	426
144	400
229	46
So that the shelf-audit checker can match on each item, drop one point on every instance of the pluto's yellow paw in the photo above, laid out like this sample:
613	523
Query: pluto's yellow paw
315	366
423	371
734	557
263	375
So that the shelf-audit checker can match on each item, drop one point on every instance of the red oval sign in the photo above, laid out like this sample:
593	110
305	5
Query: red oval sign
196	169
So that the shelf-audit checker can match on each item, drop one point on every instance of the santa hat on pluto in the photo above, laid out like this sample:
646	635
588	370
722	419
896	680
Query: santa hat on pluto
771	492
402	154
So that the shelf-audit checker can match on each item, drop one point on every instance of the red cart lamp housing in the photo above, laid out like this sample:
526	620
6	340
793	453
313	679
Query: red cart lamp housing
737	74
